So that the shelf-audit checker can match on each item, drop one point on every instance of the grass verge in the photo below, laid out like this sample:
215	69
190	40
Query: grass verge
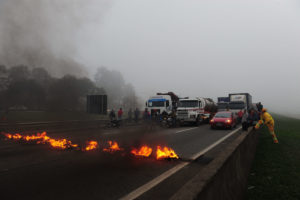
275	172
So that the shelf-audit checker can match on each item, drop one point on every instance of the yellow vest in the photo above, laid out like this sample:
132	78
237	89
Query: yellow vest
266	117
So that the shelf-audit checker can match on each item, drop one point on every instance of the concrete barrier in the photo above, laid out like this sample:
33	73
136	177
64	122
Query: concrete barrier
225	178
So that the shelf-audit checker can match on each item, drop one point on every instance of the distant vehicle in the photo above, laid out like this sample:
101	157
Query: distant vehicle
195	110
223	99
240	101
223	103
223	106
224	119
162	102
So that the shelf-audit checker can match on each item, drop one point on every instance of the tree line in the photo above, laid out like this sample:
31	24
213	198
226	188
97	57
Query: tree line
22	87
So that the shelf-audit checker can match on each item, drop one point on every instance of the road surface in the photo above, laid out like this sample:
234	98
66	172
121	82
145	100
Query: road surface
31	171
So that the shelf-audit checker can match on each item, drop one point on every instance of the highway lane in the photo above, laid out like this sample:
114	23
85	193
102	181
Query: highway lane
96	175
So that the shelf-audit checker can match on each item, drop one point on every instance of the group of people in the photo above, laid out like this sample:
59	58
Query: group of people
256	118
119	117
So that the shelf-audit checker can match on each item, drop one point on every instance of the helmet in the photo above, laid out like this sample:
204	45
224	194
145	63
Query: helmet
264	110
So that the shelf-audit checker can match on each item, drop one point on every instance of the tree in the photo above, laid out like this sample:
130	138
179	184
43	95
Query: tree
19	73
69	93
26	93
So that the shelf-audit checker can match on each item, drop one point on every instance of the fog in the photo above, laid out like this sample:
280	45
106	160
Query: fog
193	48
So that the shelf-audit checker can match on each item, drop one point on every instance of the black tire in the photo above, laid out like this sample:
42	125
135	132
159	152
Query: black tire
212	127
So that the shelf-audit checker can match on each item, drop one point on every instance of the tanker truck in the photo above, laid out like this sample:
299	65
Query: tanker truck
195	110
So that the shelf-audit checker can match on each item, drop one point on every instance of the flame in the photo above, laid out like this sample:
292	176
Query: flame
113	146
165	152
39	136
42	139
91	145
16	136
62	144
144	151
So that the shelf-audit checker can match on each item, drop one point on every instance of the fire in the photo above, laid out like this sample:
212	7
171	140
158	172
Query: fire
61	144
16	136
144	151
91	145
113	146
39	136
165	152
42	139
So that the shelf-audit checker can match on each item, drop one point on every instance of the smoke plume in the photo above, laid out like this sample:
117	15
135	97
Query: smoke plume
44	33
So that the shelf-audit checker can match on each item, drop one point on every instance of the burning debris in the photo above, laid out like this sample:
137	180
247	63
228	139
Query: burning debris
163	153
144	151
112	146
91	145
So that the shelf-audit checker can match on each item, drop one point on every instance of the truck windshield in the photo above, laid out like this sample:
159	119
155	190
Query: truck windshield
156	104
237	105
222	105
189	104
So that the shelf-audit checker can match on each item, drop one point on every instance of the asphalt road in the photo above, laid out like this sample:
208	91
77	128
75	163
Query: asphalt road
31	171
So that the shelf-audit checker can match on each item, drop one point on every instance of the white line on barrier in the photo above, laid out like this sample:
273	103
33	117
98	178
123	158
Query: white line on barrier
146	187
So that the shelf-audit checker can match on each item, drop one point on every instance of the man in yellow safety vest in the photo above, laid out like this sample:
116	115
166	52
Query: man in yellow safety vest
266	118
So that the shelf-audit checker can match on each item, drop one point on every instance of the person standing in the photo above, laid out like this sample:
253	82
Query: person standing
259	106
130	115
112	115
267	119
244	120
136	115
120	114
240	115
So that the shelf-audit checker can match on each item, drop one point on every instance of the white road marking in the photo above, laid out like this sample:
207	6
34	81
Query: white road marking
146	187
186	130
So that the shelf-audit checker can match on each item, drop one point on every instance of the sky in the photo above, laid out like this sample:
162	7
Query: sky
204	48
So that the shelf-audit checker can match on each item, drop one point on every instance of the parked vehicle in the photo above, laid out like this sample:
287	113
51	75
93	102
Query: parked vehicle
223	103
240	101
195	110
224	119
223	99
162	102
223	106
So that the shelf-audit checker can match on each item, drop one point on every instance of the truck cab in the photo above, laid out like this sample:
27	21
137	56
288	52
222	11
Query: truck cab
159	104
190	110
195	110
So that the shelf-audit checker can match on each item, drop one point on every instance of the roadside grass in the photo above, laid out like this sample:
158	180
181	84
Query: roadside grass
35	116
275	173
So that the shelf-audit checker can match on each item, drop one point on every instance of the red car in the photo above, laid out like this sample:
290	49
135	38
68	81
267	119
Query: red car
224	119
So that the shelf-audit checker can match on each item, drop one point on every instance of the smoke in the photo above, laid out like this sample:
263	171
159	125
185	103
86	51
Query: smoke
45	33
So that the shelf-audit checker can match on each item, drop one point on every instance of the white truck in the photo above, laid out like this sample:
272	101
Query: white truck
195	110
162	102
240	101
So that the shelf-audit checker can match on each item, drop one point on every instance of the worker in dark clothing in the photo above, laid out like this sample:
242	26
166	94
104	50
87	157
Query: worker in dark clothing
130	115
112	115
244	120
146	114
259	106
136	115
